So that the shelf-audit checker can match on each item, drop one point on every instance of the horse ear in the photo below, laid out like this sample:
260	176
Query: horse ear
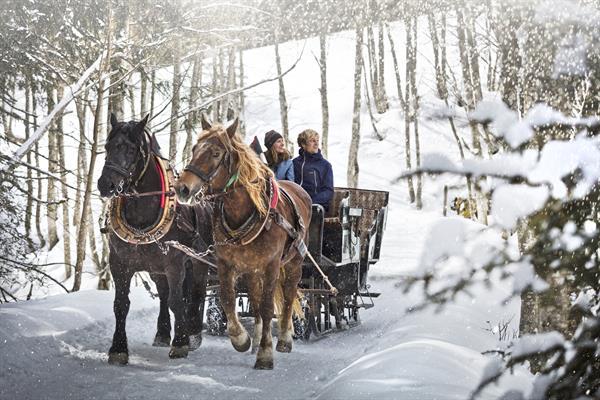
143	122
113	119
205	124
232	129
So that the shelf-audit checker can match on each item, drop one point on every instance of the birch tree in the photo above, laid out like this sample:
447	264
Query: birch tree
353	169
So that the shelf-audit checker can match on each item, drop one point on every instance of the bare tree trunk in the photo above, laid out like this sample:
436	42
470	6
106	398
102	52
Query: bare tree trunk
383	102
396	70
510	56
323	90
115	98
222	86
352	177
29	205
38	207
415	99
283	107
8	86
467	78
80	107
175	102
230	100
192	119
472	84
131	96
372	53
83	224
242	97
4	89
64	190
85	217
102	284
473	51
491	72
369	103
52	212
473	54
215	88
152	93
143	93
408	103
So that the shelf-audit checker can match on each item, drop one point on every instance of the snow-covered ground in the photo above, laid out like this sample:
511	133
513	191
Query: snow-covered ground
56	347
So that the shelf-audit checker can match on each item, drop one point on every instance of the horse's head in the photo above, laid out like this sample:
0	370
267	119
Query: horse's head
125	156
213	162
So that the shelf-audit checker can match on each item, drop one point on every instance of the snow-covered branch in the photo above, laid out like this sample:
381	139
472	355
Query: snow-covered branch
45	123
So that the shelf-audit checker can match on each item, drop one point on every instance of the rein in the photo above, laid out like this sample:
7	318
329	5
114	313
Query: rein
169	193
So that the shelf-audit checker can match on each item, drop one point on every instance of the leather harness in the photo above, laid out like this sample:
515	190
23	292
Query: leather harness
254	225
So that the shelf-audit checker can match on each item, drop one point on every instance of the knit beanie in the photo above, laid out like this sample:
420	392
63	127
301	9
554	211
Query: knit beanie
271	137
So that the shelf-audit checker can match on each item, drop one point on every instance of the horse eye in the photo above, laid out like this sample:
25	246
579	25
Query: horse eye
216	154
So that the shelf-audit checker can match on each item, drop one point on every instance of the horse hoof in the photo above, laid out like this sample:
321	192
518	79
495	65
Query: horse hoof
179	352
161	341
283	347
263	364
195	341
244	346
118	358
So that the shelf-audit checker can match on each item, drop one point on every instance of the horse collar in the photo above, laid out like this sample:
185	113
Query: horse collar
164	220
253	226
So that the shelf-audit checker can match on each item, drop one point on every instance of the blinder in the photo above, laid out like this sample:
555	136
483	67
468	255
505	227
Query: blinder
207	178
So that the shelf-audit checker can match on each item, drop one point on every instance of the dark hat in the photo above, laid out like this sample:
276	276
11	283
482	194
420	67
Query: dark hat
271	137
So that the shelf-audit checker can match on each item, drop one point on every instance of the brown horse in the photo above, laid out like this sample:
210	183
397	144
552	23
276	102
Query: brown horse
259	231
142	218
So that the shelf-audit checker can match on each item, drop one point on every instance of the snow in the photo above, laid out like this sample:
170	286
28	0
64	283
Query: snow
512	202
531	344
559	159
505	122
567	12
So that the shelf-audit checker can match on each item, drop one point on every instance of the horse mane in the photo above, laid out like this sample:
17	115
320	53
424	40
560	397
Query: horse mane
253	174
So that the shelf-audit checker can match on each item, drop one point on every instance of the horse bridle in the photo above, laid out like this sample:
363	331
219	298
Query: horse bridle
208	178
126	174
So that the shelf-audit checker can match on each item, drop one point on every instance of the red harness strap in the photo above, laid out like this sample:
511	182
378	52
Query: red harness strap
275	194
163	182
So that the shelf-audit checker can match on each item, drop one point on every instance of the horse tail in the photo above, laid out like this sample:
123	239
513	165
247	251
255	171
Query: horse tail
278	298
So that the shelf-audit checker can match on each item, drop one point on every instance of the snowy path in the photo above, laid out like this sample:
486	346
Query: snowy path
56	347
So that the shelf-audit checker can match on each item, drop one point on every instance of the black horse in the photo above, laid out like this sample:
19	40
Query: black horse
143	215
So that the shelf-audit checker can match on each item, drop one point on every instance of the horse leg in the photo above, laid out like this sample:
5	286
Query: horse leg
181	341
237	333
293	273
254	294
118	353
163	326
264	357
195	307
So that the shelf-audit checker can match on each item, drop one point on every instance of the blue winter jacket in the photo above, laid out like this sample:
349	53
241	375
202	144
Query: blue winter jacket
314	174
284	170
